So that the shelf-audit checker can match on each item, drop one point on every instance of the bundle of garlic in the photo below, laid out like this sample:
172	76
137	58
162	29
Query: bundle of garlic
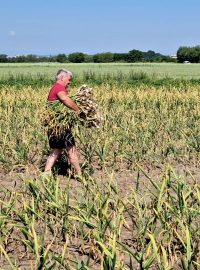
58	118
85	101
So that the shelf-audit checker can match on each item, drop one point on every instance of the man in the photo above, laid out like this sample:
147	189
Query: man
59	91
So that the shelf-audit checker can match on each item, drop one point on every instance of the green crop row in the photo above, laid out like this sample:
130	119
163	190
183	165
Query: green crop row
120	79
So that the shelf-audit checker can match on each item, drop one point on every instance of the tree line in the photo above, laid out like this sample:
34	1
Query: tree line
191	54
79	57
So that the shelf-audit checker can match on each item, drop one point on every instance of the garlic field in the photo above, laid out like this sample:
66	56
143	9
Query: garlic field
137	204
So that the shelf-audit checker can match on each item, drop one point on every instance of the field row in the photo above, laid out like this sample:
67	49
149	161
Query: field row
156	70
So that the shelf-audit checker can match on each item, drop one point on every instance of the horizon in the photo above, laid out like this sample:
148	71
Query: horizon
53	55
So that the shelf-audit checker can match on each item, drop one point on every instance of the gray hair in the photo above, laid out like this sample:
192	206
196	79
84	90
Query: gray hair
62	72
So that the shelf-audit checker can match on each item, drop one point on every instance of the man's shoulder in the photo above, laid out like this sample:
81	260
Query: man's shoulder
58	86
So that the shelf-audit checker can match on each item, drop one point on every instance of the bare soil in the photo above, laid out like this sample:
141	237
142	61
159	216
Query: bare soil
126	180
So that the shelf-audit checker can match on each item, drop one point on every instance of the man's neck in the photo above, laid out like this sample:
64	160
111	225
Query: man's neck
60	82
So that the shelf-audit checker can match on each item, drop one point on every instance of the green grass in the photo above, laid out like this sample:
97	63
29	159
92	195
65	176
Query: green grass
119	75
158	70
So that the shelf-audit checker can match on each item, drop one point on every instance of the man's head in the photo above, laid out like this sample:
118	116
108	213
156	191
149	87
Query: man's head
64	76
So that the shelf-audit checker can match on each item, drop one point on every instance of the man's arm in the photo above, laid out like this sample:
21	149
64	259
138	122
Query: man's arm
65	99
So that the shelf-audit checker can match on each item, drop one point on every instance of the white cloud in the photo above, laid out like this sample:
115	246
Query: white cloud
12	33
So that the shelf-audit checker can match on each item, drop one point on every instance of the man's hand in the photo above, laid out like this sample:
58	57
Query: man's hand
82	115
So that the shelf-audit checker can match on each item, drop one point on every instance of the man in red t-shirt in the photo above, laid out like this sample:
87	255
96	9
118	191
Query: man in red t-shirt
59	92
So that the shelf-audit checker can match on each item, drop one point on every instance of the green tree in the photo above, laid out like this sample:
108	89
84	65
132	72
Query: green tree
151	56
120	57
20	59
134	56
106	57
31	58
76	57
195	54
88	58
61	58
183	54
3	58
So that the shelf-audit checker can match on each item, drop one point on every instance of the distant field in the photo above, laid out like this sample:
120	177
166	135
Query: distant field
157	70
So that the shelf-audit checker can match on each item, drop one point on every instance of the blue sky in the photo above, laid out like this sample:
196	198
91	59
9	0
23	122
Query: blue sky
49	27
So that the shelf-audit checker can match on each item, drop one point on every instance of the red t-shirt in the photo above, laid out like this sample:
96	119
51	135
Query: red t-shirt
56	88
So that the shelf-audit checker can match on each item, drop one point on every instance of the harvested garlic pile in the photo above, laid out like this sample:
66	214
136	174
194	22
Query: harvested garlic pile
84	99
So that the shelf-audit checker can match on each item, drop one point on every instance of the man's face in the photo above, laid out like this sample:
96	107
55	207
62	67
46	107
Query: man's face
66	80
